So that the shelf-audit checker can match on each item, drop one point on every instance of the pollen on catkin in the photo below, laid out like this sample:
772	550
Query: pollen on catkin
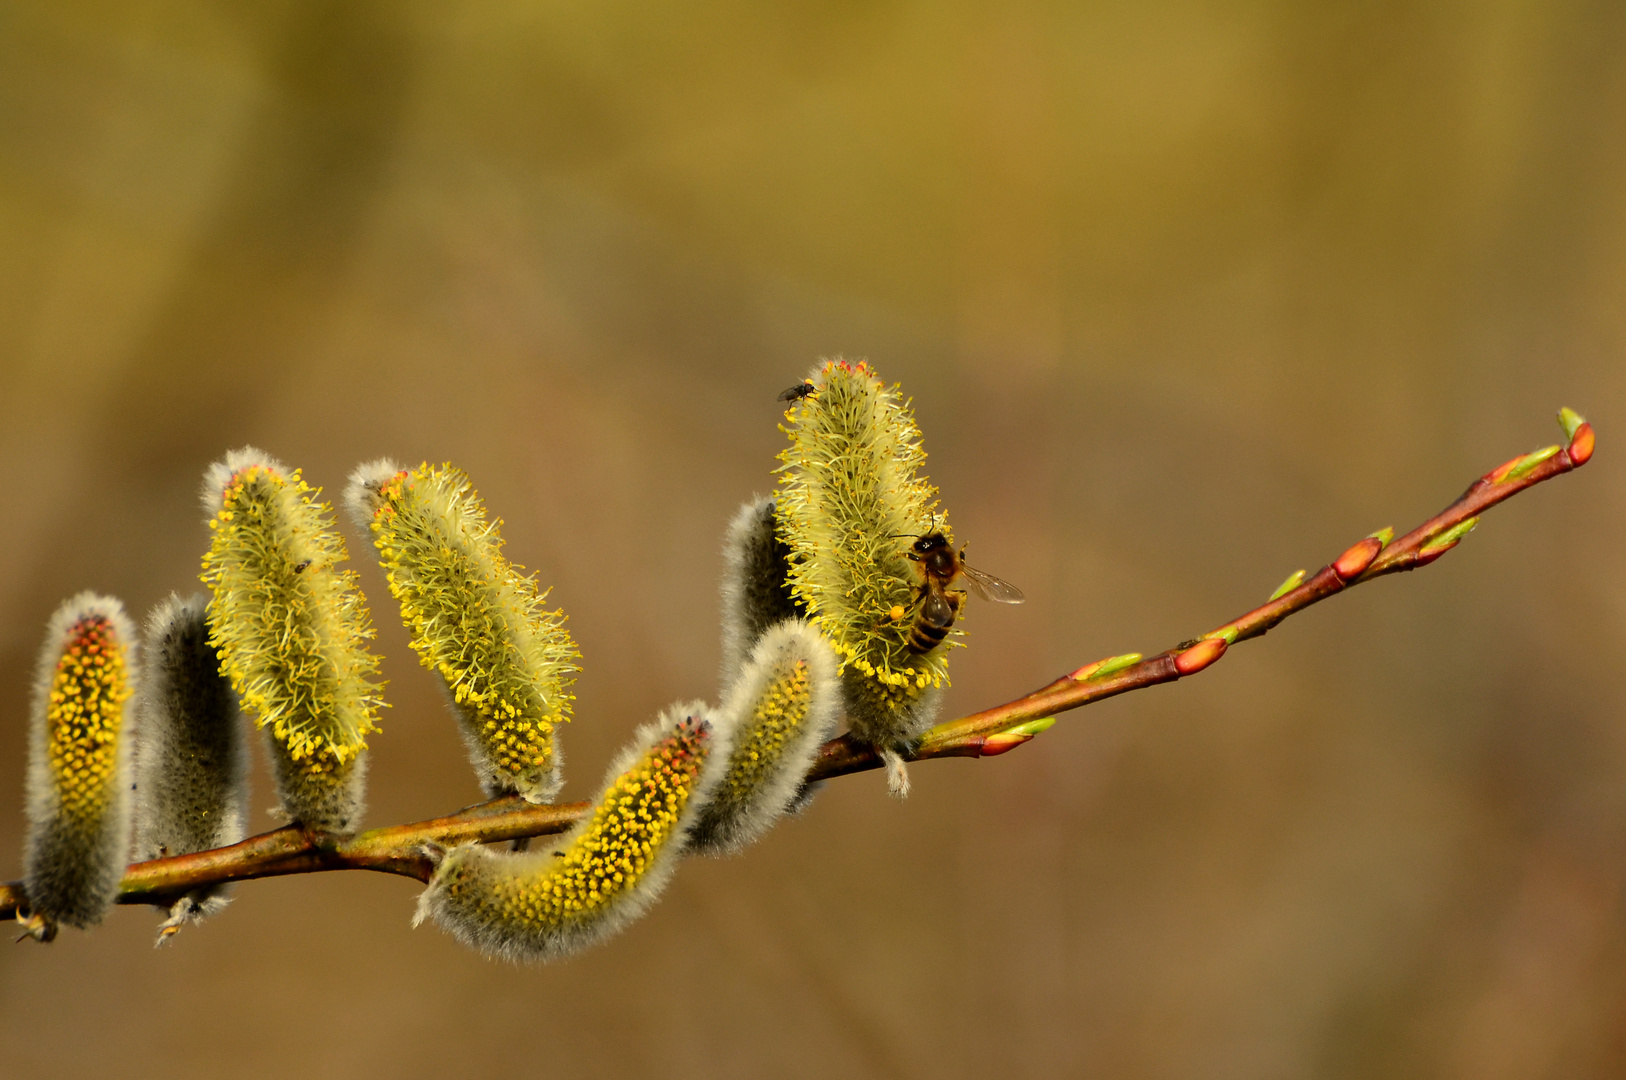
781	709
604	873
290	626
191	788
850	497
507	662
79	764
756	586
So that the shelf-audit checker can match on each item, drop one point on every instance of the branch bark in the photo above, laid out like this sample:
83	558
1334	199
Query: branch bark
403	849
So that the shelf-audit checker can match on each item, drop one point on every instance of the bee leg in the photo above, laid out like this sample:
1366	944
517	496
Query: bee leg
897	774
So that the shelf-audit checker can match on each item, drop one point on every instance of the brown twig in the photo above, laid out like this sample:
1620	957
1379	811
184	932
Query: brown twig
405	849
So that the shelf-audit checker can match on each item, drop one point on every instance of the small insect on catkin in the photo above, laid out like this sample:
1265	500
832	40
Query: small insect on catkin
781	709
79	765
291	628
850	497
605	872
191	769
756	586
507	662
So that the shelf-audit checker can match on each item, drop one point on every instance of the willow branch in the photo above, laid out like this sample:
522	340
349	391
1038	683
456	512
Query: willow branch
406	849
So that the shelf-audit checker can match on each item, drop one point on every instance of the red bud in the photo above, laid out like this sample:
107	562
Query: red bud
1497	474
1355	561
1199	656
1581	445
1086	671
1429	554
994	745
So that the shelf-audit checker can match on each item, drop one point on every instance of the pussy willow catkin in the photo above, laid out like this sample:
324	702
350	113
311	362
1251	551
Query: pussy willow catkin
291	628
507	662
850	498
782	707
79	764
191	757
756	589
605	872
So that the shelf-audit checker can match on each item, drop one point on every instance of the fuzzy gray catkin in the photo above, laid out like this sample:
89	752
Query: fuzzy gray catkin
602	874
191	787
756	586
782	707
79	764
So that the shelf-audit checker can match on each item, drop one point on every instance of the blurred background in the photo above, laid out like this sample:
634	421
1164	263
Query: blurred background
1187	295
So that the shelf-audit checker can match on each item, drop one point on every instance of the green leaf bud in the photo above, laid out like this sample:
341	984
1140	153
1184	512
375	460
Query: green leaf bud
1570	421
1294	580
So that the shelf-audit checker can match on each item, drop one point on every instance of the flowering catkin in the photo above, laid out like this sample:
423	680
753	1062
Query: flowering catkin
191	758
291	628
781	709
850	498
79	764
506	661
603	873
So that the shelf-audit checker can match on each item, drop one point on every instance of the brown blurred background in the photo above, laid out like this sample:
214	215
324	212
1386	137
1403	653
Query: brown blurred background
1187	296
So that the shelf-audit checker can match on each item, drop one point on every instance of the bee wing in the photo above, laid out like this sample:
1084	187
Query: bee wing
989	587
937	611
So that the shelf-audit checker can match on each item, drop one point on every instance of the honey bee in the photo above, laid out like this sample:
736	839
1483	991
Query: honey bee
797	392
940	565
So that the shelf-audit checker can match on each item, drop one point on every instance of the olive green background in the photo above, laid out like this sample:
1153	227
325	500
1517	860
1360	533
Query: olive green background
1187	296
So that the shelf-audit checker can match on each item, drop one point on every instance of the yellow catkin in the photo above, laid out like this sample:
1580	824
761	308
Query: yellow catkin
783	705
851	497
546	904
475	619
777	717
291	628
84	717
79	764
